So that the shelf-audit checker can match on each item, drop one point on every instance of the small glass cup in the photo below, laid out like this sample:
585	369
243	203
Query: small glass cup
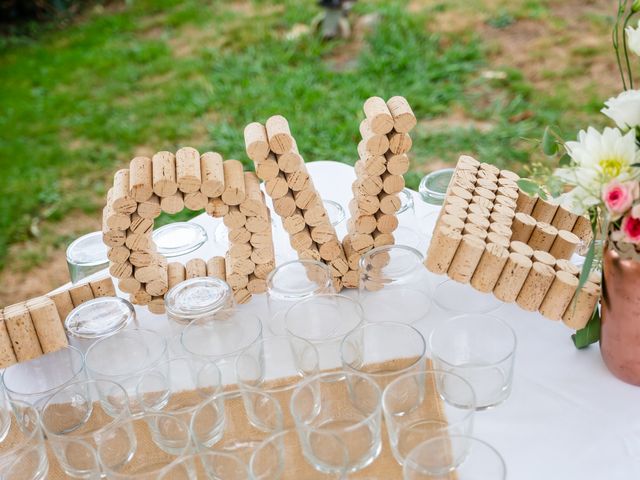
86	255
479	348
198	298
235	423
324	320
292	282
144	447
408	232
275	365
23	454
337	414
179	238
394	285
334	211
209	465
99	318
34	381
433	187
280	456
367	350
423	405
125	358
222	339
74	425
433	460
448	293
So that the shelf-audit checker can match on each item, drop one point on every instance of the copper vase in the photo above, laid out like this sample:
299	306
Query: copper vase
620	334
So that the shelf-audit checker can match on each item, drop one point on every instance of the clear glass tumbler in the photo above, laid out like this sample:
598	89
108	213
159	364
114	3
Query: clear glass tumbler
337	414
207	465
394	285
179	238
125	358
75	425
86	255
324	320
292	282
409	232
434	460
423	405
5	414
275	365
384	351
481	349
23	454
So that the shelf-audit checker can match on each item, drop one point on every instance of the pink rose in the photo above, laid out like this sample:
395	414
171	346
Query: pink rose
618	197
631	228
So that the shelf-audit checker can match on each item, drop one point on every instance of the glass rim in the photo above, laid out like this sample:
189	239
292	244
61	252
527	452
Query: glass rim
50	391
363	327
139	368
435	371
29	439
458	312
78	240
423	187
496	319
269	440
96	301
339	208
179	251
283	295
361	319
200	312
413	251
194	457
125	413
409	204
340	375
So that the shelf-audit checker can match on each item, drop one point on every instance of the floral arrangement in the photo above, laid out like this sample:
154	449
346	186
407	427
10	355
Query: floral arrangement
598	174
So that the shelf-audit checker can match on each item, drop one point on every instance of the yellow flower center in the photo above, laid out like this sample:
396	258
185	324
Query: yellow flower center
611	167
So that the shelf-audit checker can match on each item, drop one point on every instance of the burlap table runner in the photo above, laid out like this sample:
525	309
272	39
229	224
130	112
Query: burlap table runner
384	467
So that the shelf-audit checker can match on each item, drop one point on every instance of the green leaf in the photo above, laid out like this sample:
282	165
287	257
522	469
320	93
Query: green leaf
565	160
635	6
588	263
590	333
549	145
528	186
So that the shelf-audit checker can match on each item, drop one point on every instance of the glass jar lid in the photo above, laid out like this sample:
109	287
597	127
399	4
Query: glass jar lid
99	317
179	238
198	297
433	187
88	250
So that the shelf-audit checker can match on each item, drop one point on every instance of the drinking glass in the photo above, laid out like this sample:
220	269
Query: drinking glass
125	358
144	447
234	423
479	348
275	365
419	406
86	255
433	186
384	351
34	381
5	414
280	457
448	293
292	282
75	425
408	232
97	318
179	386
179	238
221	339
208	464
337	414
23	455
335	212
324	320
433	460
394	285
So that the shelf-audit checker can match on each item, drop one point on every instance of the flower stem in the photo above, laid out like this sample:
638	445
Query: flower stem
624	44
615	37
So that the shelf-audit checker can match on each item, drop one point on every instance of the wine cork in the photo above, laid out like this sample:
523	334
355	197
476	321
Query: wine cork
156	305
242	295
371	185
258	224
595	277
153	271
239	235
80	294
490	185
452	222
256	141
113	220
489	267
564	245
360	242
242	266
262	255
164	174
158	286
216	268
478	220
475	230
505	201
544	211
141	225
188	174
277	187
323	233
301	241
141	297
121	270
566	266
118	254
543	257
103	287
291	161
389	203
150	208
467	160
490	168
403	117
256	285
464	183
484	193
442	248
559	295
330	250
381	239
535	286
279	134
386	223
378	115
468	175
217	208
298	180
305	198
264	269
522	227
479	210
488	177
285	206
212	174
508	174
374	144
339	266
261	240
525	203
129	285
392	183
397	164
7	355
513	276
582	229
140	179
234	218
462	193
543	236
457	201
352	256
137	241
311	253
234	189
504	210
47	323
63	303
510	193
454	211
399	143
351	279
195	201
498	239
502	219
466	258
507	182
582	306
521	248
370	165
500	229
316	215
253	203
172	204
121	201
176	274
364	224
22	332
195	268
240	250
564	219
267	169
484	202
114	238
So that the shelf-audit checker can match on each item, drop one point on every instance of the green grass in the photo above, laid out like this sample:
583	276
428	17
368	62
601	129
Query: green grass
77	103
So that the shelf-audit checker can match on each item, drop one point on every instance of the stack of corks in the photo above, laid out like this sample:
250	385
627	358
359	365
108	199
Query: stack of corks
280	165
36	327
477	241
170	183
382	163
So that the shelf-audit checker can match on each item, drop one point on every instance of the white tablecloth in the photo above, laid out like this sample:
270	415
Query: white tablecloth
567	416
